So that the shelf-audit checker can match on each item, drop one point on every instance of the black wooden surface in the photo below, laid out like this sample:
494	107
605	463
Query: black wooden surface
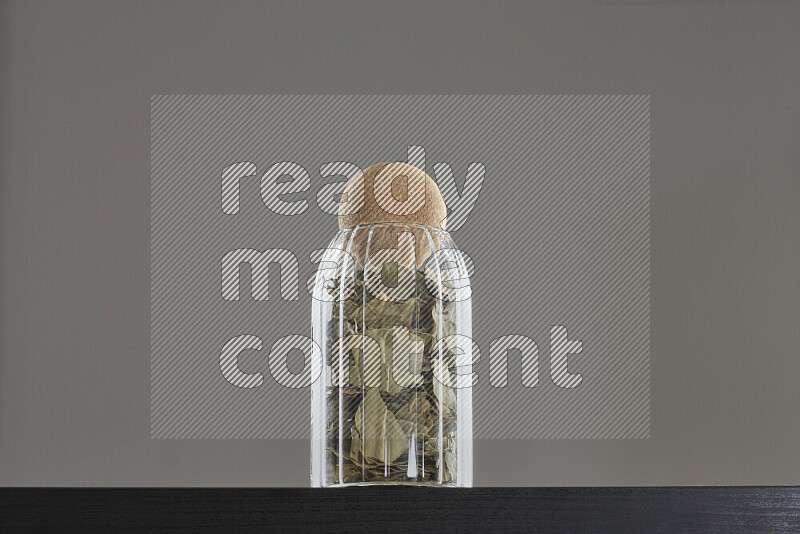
692	509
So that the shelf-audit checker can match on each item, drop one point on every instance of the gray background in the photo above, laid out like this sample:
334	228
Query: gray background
74	154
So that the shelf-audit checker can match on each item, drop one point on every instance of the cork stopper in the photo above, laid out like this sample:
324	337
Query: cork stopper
392	193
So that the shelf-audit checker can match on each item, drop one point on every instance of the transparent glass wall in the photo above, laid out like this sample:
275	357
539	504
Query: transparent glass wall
392	316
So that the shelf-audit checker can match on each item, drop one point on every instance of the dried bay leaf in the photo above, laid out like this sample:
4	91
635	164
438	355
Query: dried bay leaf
442	382
355	445
450	466
382	436
444	318
415	410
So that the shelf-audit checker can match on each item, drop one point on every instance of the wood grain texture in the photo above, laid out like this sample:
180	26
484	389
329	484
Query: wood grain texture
693	509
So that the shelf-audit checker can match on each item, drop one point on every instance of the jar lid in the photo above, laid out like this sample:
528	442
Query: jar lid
392	193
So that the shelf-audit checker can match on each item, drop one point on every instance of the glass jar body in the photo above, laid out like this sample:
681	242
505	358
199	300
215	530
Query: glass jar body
393	402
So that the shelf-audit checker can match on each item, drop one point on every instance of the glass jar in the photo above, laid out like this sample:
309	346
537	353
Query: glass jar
392	317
